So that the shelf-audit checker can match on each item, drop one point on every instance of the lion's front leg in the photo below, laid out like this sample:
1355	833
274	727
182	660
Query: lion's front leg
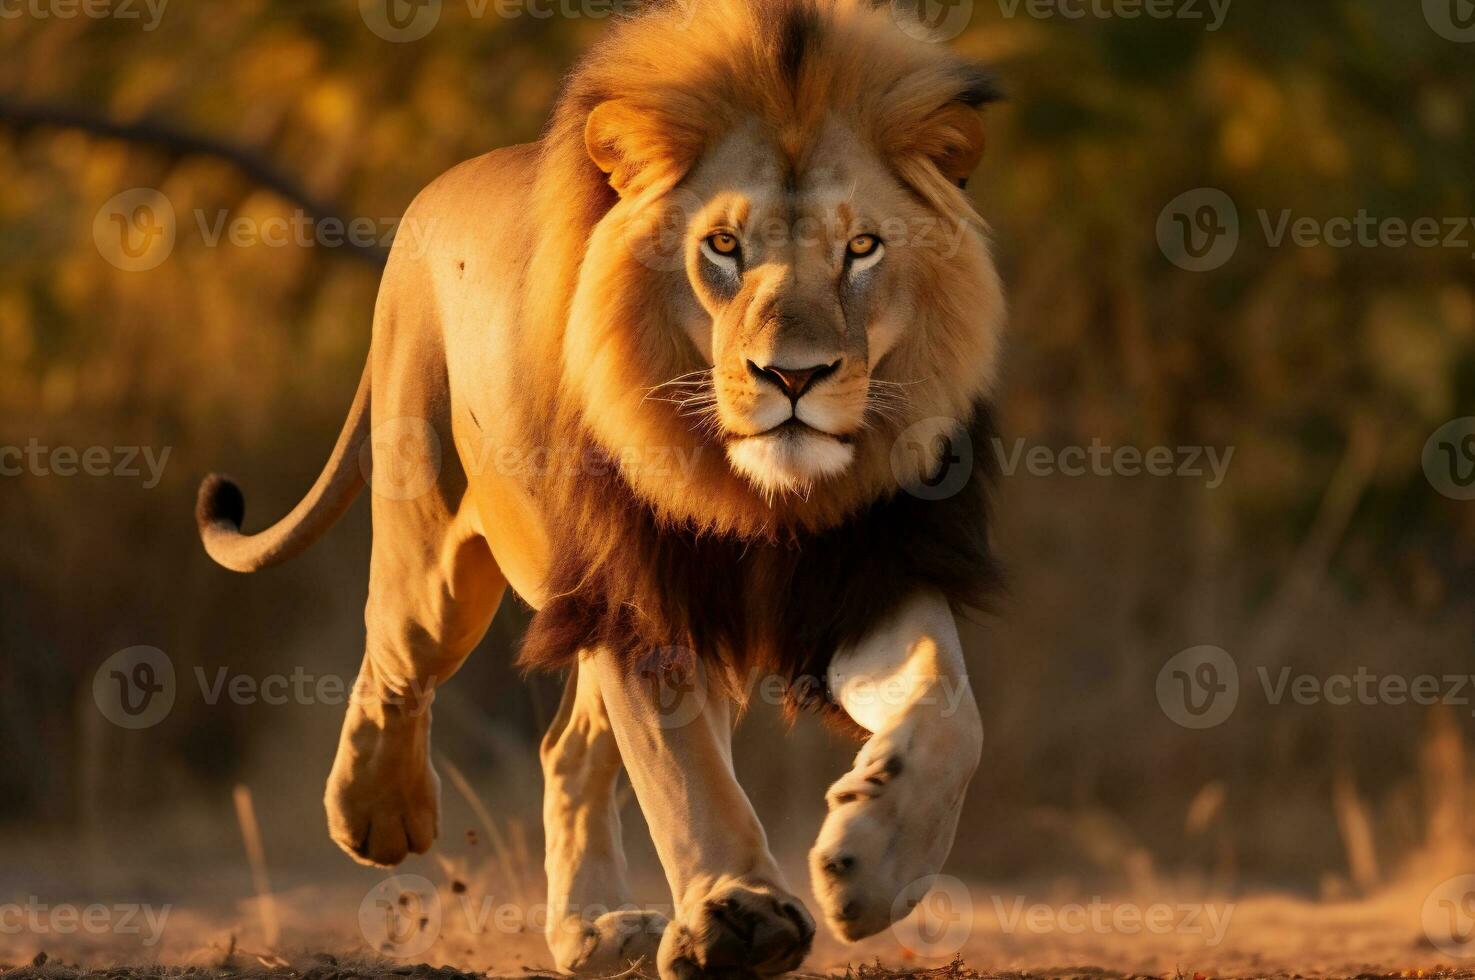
734	913
433	590
894	814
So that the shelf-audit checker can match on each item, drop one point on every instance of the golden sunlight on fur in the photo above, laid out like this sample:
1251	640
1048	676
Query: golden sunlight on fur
665	411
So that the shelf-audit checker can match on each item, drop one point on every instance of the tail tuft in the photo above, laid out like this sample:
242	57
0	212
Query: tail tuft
221	507
220	502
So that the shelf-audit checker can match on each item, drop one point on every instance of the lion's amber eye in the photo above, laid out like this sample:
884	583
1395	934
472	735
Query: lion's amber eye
862	245
723	243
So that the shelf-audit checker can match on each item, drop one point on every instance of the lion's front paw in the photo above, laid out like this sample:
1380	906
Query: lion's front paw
890	826
741	928
608	943
383	796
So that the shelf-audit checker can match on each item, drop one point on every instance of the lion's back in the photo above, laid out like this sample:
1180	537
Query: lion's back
460	253
478	208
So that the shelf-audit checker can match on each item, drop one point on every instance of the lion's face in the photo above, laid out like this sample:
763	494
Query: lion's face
794	291
782	284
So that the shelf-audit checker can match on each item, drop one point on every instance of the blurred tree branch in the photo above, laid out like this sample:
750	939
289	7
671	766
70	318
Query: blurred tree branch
176	142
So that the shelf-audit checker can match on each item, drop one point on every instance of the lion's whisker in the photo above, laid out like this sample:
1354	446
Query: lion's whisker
700	380
900	384
698	377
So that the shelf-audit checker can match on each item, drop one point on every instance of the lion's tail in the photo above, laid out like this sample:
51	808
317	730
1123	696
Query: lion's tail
221	506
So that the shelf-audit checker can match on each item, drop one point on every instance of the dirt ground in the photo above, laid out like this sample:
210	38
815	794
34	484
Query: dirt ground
325	967
998	935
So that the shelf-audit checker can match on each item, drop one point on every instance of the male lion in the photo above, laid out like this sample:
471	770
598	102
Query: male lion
693	375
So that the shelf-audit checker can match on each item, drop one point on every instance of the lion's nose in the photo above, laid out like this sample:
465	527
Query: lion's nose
793	382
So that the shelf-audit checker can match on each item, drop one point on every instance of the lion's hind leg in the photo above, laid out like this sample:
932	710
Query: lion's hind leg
593	923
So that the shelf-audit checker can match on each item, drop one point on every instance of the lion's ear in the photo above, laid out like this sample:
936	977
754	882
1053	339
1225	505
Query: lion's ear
607	136
932	125
953	139
637	148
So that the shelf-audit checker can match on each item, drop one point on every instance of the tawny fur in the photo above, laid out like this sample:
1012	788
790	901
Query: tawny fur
548	354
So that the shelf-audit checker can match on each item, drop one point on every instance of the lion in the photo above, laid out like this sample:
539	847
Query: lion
697	377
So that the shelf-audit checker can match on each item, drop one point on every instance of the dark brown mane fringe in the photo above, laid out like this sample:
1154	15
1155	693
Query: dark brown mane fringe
651	594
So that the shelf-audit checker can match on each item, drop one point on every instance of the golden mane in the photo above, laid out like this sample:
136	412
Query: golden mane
691	70
678	77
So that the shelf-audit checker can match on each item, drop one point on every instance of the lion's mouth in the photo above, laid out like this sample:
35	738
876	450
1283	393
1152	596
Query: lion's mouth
790	457
793	428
